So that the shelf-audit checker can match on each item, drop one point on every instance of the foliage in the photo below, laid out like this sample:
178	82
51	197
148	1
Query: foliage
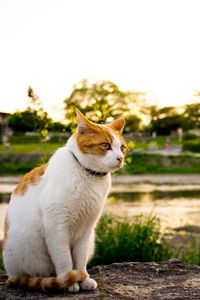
100	102
34	118
1	264
30	121
190	136
23	121
22	158
192	145
132	124
57	127
167	124
165	120
191	253
29	148
146	163
19	138
192	116
137	240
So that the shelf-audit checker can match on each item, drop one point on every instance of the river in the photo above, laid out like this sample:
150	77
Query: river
176	204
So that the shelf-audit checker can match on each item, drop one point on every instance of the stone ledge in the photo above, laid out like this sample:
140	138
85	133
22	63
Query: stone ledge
171	280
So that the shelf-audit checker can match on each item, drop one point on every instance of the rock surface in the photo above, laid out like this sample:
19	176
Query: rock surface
170	280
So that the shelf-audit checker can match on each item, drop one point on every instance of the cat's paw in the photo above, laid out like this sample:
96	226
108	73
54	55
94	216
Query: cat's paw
88	284
74	288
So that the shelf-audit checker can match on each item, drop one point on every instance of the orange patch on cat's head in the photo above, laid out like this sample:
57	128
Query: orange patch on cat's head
30	178
91	136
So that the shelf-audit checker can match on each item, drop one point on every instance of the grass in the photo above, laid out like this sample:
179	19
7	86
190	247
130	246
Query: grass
191	255
138	240
147	163
21	158
31	148
146	143
1	264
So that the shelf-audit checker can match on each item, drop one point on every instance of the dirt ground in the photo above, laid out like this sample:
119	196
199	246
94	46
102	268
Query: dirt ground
170	280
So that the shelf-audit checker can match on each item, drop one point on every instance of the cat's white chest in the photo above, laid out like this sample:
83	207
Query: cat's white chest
89	198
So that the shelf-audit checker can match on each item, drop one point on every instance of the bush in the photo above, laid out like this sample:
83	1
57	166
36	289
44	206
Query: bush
23	139
190	255
58	138
12	163
147	163
1	264
138	240
32	139
190	136
192	145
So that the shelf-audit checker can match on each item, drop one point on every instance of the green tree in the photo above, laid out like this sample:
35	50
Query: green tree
132	124
34	118
57	127
100	102
22	121
192	116
165	120
35	106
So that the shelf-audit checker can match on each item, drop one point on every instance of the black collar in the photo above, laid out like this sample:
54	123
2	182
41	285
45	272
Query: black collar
91	172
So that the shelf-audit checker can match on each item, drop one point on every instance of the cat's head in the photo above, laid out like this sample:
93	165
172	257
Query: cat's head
98	147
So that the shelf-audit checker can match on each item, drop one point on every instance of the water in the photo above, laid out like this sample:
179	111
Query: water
175	205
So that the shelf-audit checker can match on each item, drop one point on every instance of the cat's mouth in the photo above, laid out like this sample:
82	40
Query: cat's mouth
117	166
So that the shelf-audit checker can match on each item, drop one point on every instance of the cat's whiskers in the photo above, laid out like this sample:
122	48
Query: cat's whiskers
124	172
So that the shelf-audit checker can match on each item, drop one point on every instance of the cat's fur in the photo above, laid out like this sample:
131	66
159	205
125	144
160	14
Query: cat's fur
49	228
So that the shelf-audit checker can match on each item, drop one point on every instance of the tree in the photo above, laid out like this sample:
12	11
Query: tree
22	121
100	102
165	120
57	127
192	116
34	118
42	121
132	124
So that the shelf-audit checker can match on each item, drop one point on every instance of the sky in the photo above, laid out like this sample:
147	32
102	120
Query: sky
141	45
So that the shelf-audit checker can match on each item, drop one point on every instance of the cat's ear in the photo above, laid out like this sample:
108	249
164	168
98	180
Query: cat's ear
84	126
118	124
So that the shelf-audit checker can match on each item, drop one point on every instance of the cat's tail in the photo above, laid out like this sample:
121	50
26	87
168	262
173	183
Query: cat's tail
47	283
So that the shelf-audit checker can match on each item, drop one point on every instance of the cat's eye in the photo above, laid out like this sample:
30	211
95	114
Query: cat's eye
123	148
106	146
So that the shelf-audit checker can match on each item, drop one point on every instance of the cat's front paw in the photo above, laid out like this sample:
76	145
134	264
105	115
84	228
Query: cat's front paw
74	288
88	284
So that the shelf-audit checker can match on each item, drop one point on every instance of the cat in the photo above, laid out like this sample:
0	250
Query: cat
53	212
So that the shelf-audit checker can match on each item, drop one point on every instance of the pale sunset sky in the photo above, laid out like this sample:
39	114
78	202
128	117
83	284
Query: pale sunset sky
141	45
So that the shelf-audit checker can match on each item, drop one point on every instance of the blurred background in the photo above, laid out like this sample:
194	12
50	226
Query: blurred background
133	59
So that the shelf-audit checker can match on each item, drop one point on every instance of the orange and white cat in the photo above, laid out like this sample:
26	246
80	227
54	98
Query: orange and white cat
53	212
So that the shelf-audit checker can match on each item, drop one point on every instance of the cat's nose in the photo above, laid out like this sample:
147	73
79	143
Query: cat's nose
119	158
